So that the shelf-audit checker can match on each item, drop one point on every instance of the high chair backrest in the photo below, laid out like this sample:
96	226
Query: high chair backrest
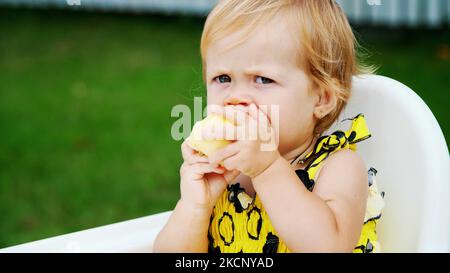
409	151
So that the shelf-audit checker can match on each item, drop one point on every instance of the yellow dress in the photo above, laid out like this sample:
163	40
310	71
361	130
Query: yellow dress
240	223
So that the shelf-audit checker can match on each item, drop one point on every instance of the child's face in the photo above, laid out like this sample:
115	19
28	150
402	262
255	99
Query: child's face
263	70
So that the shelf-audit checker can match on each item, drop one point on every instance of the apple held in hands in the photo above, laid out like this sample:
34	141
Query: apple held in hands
206	146
235	139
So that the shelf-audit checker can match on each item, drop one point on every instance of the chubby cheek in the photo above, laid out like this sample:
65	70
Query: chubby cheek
214	98
292	131
294	125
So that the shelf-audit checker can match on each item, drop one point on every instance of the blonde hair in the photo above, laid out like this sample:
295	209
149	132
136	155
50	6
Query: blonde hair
322	33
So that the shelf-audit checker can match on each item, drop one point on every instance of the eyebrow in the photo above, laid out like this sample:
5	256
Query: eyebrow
270	71
218	71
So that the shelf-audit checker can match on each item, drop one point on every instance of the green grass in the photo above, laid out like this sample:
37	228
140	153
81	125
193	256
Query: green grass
85	102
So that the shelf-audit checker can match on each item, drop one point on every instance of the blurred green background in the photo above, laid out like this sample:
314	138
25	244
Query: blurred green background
85	103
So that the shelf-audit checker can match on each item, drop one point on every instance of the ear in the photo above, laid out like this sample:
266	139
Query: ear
325	103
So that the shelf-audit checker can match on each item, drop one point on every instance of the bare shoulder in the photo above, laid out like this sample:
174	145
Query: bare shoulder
343	173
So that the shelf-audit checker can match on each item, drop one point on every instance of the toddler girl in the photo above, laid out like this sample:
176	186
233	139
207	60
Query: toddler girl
313	192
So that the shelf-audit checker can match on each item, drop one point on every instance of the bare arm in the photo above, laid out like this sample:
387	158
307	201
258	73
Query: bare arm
330	218
201	184
186	230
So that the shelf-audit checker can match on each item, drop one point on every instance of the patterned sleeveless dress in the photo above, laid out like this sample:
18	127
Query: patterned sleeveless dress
240	224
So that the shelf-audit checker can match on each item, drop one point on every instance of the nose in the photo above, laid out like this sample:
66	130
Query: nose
238	98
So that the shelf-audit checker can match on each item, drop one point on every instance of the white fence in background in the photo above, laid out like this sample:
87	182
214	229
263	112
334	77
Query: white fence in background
398	12
412	13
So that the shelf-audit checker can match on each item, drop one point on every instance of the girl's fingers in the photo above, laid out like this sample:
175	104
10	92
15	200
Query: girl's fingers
196	171
253	111
224	153
259	114
197	158
191	156
231	175
249	122
230	164
246	121
237	115
240	131
233	162
186	150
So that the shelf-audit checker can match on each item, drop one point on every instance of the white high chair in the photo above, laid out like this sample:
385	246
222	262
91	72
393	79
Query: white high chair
407	148
409	151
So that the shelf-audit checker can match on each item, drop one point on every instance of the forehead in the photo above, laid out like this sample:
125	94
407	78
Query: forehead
270	43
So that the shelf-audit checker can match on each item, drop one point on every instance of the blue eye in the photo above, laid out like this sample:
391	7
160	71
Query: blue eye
223	79
263	80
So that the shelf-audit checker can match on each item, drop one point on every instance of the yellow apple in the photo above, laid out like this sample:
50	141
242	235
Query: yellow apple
207	147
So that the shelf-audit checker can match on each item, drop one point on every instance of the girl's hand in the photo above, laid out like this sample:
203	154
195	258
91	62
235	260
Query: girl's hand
255	147
202	183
